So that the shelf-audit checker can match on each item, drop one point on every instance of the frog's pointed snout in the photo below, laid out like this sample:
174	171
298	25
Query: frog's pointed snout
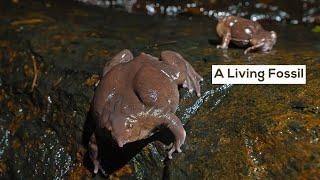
121	142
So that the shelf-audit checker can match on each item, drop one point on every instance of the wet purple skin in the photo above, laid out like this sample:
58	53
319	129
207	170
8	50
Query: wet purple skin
130	102
244	33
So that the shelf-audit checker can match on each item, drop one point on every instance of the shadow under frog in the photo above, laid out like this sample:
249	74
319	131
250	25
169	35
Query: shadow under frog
111	156
134	98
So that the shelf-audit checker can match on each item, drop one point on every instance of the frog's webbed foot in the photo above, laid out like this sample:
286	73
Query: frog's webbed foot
122	57
189	78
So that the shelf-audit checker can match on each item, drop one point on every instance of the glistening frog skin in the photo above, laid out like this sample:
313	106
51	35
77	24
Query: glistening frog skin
243	32
137	95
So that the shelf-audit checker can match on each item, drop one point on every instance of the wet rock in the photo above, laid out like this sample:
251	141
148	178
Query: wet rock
298	105
253	132
240	139
295	12
45	158
4	142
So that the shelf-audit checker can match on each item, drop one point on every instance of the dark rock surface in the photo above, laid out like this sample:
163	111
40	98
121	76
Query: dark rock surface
51	56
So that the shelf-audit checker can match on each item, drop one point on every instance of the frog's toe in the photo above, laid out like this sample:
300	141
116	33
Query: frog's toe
96	166
121	141
222	47
188	84
193	81
175	147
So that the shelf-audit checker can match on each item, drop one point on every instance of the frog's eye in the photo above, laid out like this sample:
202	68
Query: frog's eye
273	34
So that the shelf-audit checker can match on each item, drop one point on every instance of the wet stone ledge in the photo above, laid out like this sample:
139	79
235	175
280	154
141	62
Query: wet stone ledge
51	57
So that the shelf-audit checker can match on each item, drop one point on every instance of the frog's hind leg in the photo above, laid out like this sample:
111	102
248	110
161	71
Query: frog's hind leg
176	127
253	47
140	125
188	77
122	57
154	117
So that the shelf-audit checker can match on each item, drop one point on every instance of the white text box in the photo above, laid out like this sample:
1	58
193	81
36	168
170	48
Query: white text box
259	74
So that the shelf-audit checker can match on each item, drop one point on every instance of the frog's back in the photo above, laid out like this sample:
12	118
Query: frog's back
159	89
244	29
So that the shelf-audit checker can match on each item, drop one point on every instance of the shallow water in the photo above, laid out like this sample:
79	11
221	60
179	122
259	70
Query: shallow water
233	131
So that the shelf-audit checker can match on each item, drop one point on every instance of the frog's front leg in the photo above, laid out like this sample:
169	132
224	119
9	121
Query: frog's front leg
187	76
225	40
93	153
122	57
